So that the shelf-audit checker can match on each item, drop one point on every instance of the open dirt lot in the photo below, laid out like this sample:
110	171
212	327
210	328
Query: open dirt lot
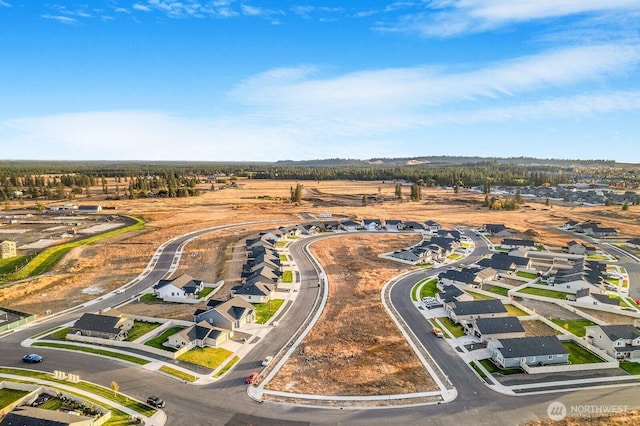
354	348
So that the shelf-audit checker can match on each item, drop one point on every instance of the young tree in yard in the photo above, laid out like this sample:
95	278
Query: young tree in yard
114	386
625	206
547	202
398	192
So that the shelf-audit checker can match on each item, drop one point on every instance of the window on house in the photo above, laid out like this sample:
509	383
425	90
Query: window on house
550	356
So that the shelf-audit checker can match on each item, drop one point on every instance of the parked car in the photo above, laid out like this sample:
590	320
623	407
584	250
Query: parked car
432	305
267	361
33	358
438	332
155	401
252	378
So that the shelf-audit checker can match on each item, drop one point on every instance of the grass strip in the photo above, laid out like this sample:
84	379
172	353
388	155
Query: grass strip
120	356
178	373
227	366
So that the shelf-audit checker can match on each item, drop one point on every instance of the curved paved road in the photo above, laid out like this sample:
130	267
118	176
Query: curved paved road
226	401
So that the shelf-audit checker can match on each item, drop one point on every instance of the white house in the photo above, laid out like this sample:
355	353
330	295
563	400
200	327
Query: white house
182	287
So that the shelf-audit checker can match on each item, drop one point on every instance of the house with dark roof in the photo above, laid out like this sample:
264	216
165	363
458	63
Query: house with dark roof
432	226
512	243
89	208
574	247
230	315
26	415
474	309
451	293
111	325
618	341
180	288
200	335
372	224
393	225
414	226
498	230
255	292
496	328
350	225
505	262
535	350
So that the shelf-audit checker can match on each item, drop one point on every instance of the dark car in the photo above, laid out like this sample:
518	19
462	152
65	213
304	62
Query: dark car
252	378
156	402
33	358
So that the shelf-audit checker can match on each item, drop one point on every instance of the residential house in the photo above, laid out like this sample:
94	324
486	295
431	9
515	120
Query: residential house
330	225
393	225
350	225
111	325
308	229
505	262
496	328
618	341
230	315
432	226
414	226
181	287
512	243
451	293
498	230
8	249
200	335
259	292
26	415
465	311
574	247
535	350
634	242
371	224
89	208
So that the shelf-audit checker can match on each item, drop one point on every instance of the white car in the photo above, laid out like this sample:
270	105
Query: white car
267	361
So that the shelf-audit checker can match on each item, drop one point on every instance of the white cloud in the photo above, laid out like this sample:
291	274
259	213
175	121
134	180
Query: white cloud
60	18
141	7
4	4
453	17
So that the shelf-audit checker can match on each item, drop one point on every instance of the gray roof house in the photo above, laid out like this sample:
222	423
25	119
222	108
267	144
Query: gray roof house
257	292
175	289
229	315
496	328
535	350
474	309
618	341
393	225
113	325
201	334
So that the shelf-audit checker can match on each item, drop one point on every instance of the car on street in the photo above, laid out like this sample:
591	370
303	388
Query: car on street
251	378
155	402
32	358
267	361
438	332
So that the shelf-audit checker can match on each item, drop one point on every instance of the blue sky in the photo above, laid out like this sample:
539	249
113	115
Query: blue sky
228	80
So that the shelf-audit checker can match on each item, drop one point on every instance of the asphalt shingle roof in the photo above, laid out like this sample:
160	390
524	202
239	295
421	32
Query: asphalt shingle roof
522	347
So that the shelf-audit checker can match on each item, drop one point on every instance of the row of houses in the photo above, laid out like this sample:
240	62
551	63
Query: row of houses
436	248
590	228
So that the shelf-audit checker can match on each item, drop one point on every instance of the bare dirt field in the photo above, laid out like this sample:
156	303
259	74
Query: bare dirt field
627	418
354	348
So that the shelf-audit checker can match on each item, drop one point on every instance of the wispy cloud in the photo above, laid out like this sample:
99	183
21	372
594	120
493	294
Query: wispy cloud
4	4
447	18
60	18
141	7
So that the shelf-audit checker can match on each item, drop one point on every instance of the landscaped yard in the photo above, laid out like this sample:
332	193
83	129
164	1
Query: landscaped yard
227	366
283	257
150	298
429	288
514	311
121	356
498	290
455	329
60	334
527	275
579	355
554	294
632	368
264	311
8	396
207	357
205	292
157	341
140	328
287	276
478	296
492	368
576	327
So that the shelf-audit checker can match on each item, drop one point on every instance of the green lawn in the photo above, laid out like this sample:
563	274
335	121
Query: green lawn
514	311
207	357
123	357
8	396
227	366
140	328
264	311
478	370
61	334
579	355
205	292
150	298
287	276
478	296
283	257
281	244
455	329
492	368
527	275
429	288
576	327
8	266
553	294
157	341
178	373
597	257
44	333
632	368
498	290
